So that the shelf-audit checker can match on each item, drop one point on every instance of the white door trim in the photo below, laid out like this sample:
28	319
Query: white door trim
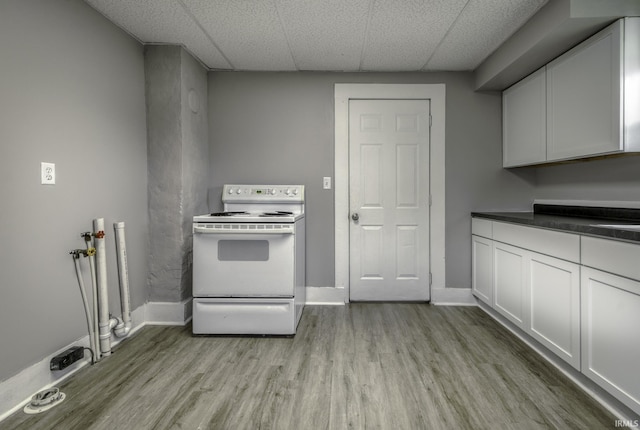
345	92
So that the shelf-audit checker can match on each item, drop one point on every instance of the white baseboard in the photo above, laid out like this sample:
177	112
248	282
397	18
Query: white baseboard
18	390
168	313
325	296
452	297
439	296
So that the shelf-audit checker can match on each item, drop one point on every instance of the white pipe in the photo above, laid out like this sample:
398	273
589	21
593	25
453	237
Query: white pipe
83	292
124	327
91	252
103	296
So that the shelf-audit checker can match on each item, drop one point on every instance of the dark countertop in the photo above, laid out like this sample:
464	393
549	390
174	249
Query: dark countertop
579	220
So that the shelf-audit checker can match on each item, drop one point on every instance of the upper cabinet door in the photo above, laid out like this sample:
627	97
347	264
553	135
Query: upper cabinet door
584	98
524	121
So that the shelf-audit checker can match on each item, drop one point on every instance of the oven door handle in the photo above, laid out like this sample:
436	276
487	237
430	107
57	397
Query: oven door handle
209	230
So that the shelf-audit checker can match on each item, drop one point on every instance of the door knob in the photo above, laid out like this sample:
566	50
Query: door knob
355	216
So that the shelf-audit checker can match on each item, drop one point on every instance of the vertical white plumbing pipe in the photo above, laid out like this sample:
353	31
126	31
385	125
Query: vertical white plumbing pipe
122	329
91	252
83	293
103	294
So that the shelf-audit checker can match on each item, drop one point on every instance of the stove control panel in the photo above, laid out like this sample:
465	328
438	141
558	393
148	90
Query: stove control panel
266	193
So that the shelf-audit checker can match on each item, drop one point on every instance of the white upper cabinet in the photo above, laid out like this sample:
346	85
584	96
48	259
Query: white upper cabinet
631	91
583	104
583	98
524	117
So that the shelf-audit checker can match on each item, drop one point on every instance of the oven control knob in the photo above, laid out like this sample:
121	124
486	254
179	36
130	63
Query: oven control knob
273	191
230	190
239	191
288	191
295	191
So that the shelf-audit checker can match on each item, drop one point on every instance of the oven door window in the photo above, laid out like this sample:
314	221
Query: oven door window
243	250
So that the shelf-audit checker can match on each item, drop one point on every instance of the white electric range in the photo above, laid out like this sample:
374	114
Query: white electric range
249	262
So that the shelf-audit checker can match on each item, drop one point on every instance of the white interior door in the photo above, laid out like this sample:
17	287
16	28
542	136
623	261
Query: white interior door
389	200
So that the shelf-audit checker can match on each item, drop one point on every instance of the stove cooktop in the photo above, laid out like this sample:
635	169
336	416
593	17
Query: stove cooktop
241	216
258	204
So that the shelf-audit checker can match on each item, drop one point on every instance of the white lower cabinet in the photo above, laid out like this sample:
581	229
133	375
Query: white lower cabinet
611	334
582	303
510	282
554	306
540	295
482	267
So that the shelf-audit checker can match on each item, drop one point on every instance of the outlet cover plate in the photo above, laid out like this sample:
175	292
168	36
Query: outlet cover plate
47	173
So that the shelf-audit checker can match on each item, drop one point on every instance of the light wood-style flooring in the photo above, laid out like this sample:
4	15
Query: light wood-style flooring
361	366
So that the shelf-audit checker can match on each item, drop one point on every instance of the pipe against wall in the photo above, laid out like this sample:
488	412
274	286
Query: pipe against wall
91	252
123	329
103	295
83	292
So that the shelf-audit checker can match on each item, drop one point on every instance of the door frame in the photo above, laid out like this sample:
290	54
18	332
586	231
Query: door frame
436	94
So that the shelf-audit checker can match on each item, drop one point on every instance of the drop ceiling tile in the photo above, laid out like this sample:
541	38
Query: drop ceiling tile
348	35
248	32
480	29
161	21
403	34
325	34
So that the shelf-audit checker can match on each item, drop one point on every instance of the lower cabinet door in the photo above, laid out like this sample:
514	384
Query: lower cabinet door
611	334
482	269
554	296
510	283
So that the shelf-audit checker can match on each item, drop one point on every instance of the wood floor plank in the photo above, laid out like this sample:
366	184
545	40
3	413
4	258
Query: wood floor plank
360	366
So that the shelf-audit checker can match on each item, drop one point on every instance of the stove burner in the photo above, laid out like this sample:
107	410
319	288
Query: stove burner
277	213
229	213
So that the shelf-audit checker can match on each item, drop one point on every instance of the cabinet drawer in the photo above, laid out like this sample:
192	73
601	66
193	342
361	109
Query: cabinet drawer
611	256
565	246
482	227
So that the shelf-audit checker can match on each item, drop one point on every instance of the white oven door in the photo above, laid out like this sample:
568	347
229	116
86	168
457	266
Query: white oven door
243	260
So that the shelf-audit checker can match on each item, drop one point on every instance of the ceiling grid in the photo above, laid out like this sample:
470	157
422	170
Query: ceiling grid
326	35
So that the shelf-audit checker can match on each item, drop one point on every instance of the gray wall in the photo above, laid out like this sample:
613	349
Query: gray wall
195	157
178	161
164	150
72	88
605	179
279	127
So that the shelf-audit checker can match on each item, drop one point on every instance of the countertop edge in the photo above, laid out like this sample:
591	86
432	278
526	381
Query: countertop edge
577	225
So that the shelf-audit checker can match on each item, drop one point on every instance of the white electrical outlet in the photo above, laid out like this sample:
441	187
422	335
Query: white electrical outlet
47	173
326	182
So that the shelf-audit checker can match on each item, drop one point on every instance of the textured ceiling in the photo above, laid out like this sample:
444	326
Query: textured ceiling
326	35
